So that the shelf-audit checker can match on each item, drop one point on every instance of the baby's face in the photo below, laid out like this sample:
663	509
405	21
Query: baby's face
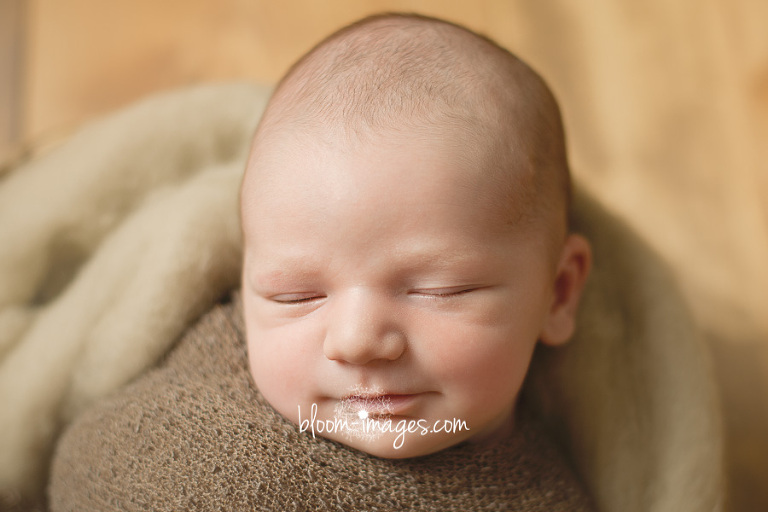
378	280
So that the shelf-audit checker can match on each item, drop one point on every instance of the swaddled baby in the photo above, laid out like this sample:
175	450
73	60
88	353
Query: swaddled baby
406	246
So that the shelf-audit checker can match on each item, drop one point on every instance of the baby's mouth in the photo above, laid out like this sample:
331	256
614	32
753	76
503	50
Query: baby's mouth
383	405
373	403
359	415
362	405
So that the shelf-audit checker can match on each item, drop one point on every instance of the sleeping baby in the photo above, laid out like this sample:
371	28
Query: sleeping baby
406	246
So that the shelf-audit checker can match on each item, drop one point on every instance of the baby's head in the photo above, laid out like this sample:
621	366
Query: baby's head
404	215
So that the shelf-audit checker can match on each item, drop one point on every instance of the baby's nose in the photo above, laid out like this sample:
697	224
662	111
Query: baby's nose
362	328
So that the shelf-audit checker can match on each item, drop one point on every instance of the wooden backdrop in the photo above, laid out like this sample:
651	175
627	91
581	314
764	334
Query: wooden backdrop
665	103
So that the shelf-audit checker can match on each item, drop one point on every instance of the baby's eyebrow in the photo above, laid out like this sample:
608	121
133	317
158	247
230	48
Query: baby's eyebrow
436	257
277	276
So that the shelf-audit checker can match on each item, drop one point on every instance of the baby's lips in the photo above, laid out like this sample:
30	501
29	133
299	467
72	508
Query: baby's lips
383	404
378	404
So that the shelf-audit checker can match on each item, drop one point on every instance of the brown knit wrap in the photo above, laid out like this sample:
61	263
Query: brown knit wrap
195	434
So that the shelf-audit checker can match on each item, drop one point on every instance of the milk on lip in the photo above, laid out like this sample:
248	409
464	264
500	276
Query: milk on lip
370	400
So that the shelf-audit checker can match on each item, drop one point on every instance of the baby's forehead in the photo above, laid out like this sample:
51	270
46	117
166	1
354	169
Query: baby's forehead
317	168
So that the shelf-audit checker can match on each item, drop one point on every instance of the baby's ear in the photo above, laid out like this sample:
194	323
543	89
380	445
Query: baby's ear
572	271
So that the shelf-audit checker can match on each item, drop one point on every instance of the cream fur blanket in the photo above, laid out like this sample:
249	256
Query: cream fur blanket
114	242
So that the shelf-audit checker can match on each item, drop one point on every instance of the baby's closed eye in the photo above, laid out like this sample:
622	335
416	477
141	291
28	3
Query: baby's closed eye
443	292
296	298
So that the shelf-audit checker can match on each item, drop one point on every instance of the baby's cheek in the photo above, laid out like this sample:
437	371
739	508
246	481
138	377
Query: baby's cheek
479	367
281	369
451	349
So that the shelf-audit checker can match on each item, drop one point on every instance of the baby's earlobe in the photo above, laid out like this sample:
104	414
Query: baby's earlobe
572	272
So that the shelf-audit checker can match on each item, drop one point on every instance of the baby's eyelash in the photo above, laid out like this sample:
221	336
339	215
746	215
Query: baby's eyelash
296	300
444	292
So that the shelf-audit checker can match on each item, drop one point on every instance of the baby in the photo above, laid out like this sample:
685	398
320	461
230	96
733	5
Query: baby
406	246
404	215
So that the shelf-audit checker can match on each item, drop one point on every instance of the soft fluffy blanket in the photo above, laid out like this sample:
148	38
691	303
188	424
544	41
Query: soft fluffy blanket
113	243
